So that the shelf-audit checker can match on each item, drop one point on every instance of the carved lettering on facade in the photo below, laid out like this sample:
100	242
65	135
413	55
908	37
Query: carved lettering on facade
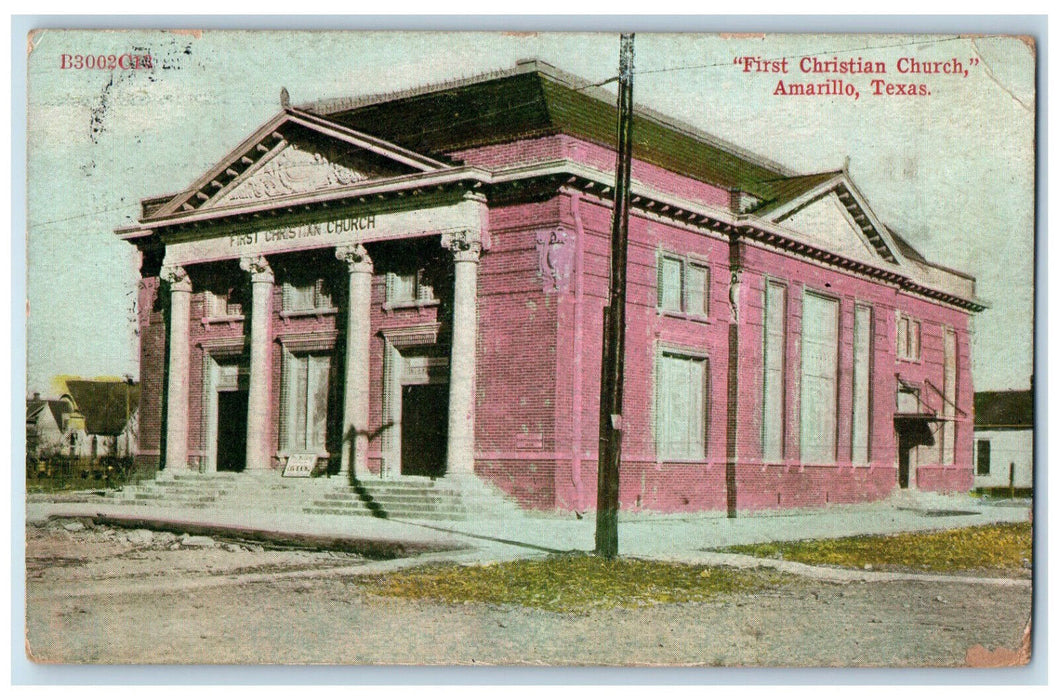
347	225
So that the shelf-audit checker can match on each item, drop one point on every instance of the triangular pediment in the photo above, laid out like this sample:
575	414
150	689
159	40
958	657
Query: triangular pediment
295	154
832	215
829	223
305	168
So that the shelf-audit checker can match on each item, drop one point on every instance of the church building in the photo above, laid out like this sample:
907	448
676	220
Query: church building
411	286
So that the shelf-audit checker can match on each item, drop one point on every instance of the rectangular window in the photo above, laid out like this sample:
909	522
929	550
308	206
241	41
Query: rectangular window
408	287
861	384
680	419
224	303
982	462
683	286
306	295
773	422
948	407
819	395
306	410
907	337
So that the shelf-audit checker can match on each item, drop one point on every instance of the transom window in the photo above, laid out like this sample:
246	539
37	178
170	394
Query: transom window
681	406
683	286
907	337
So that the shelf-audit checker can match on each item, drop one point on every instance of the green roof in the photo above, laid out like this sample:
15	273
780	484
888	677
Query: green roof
522	104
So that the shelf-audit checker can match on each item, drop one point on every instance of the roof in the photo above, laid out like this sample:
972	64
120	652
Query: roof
1003	409
34	408
106	405
537	99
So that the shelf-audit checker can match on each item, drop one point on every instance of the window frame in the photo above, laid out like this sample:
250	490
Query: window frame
422	294
905	351
663	452
686	262
322	301
295	363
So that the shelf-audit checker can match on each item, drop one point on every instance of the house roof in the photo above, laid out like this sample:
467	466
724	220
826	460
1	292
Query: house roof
106	405
1003	409
534	99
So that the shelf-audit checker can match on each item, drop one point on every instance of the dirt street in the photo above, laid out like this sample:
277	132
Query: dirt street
95	596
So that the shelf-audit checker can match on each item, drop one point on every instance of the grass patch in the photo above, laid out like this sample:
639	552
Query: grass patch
998	547
571	583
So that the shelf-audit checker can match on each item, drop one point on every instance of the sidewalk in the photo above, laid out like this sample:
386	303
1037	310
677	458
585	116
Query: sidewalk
671	537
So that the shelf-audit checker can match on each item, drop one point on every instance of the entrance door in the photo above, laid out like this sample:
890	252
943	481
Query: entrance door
424	429
231	431
904	459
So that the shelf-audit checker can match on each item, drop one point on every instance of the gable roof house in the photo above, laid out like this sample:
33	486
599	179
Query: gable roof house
411	286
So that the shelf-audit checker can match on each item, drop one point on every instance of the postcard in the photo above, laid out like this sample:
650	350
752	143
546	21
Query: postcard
563	349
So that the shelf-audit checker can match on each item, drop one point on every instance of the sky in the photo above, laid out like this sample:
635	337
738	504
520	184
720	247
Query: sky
952	170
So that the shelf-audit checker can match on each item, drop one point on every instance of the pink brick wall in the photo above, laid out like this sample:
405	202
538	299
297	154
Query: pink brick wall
539	358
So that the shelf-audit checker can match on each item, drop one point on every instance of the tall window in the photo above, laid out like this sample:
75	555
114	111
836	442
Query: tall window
819	395
306	295
907	337
681	409
948	406
683	286
861	384
773	413
306	402
982	462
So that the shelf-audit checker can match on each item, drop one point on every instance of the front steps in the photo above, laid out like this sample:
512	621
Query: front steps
406	498
413	499
183	490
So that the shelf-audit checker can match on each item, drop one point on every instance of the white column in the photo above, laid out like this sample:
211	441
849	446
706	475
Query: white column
358	339
258	408
176	407
460	455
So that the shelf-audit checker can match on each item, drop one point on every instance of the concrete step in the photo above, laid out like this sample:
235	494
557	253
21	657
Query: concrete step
392	505
393	497
388	513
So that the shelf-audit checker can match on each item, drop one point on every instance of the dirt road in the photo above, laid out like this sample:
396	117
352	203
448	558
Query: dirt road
94	596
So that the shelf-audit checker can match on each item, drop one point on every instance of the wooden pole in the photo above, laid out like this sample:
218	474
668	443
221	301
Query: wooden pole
613	367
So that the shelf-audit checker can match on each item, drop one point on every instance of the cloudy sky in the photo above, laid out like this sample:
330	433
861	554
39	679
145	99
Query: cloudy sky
952	170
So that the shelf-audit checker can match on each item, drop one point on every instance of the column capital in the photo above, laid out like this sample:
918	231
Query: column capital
258	267
355	256
464	245
176	277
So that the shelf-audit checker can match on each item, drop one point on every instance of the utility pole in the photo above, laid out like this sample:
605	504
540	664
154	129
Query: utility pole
613	367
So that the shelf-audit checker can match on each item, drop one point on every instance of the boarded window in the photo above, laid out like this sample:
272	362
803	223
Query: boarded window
861	384
948	408
774	381
680	418
307	402
983	458
819	395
